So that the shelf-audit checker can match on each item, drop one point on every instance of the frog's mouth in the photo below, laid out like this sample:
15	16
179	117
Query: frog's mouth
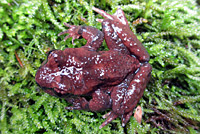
56	94
52	92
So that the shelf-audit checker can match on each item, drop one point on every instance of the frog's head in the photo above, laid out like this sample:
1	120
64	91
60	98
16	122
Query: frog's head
49	75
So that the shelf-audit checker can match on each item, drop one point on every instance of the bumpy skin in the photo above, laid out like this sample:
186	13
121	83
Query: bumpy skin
115	79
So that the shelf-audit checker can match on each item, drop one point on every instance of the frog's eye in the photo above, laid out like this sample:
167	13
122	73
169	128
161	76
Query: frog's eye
56	55
50	52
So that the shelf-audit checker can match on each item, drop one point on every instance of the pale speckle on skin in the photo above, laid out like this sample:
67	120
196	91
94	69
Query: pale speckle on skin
120	93
109	34
71	60
97	59
107	27
125	38
119	97
98	92
102	72
90	46
137	80
118	41
114	35
95	38
61	86
131	91
54	54
116	29
70	72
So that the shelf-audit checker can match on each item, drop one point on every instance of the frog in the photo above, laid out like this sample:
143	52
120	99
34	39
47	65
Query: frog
95	80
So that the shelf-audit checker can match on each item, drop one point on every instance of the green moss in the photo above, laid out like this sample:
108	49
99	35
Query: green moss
171	36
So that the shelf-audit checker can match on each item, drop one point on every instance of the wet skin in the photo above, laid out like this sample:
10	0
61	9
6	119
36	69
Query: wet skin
115	79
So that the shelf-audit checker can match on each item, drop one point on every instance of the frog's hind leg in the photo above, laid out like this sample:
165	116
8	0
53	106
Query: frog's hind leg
112	39
126	95
135	91
117	96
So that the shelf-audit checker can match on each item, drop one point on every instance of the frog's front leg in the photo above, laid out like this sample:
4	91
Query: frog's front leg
112	39
79	103
93	36
100	101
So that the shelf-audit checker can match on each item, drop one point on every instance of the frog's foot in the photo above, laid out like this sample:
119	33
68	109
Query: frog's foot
109	117
72	31
79	103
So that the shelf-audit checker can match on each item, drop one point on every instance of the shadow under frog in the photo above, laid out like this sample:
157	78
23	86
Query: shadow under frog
115	79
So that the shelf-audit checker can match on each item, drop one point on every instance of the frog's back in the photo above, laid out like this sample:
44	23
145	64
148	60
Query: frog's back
110	67
90	69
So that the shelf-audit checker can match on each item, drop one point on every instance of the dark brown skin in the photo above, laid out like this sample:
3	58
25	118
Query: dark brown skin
115	79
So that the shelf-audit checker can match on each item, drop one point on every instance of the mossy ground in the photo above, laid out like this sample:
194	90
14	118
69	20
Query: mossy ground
170	33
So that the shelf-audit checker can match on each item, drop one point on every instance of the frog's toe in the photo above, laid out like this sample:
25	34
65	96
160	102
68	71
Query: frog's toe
99	20
109	117
68	36
67	25
125	118
102	13
73	108
64	32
